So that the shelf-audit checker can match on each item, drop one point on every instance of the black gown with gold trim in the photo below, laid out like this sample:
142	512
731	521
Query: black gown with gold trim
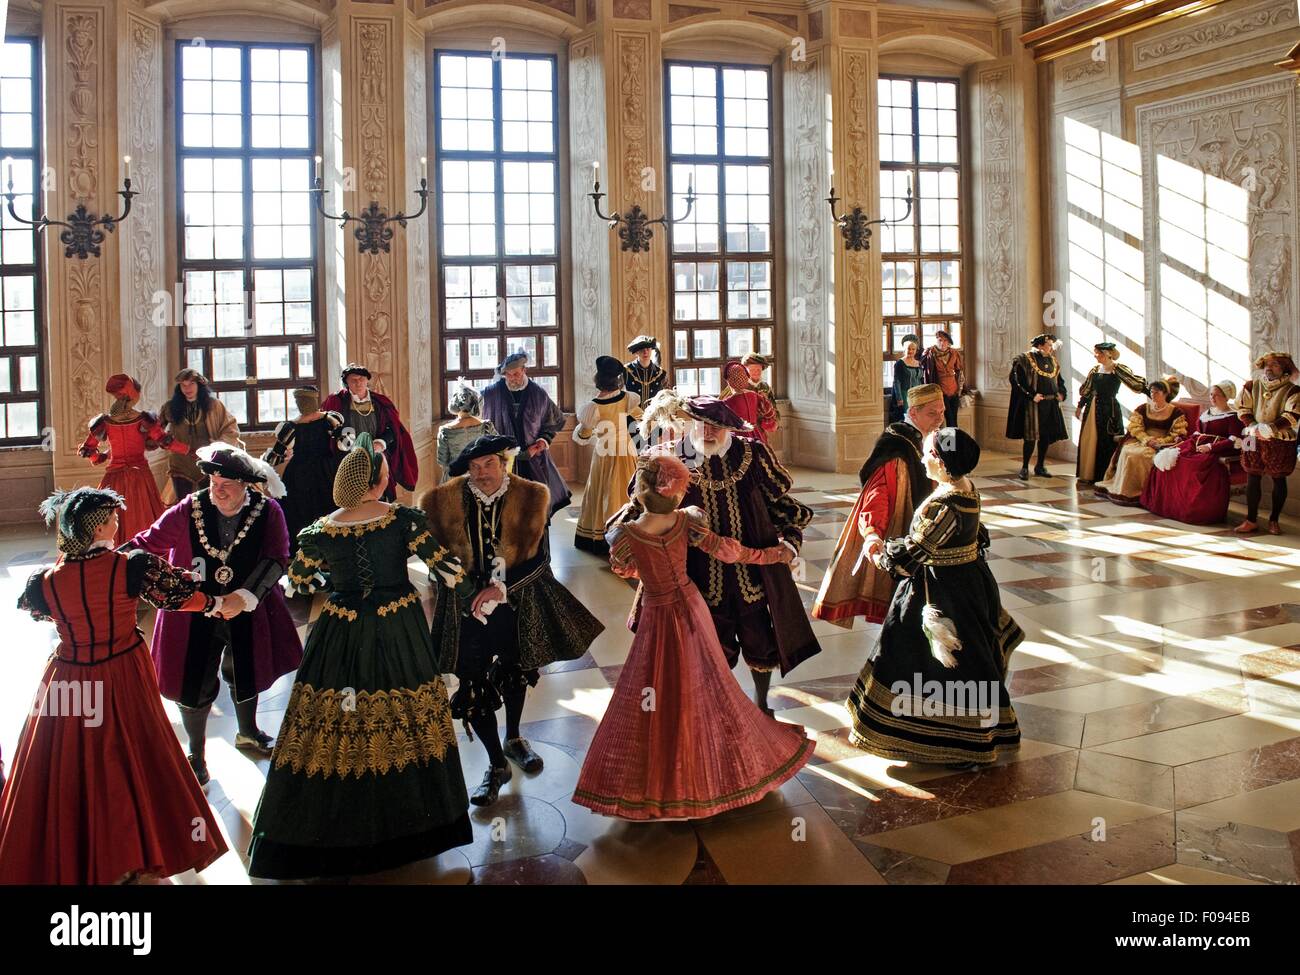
366	774
942	559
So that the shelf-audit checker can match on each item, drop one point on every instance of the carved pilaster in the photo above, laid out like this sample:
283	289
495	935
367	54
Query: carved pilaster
591	238
635	125
423	391
142	239
81	140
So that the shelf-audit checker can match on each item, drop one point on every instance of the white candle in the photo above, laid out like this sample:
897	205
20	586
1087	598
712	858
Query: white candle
126	161
9	172
318	167
595	171
690	185
424	168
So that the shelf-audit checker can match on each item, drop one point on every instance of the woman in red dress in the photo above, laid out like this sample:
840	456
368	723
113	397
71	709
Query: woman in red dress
1191	481
99	790
680	740
754	408
128	433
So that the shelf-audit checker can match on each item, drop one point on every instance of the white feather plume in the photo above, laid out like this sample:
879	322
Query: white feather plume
941	633
1166	459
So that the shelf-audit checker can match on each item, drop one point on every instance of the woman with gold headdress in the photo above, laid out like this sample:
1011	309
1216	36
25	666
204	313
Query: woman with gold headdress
1155	424
366	774
698	746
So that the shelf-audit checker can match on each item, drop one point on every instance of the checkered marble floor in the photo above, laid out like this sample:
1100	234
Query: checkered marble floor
1158	693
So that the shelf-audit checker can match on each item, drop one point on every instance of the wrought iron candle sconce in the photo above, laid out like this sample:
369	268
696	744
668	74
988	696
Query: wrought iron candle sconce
374	231
634	231
83	231
855	227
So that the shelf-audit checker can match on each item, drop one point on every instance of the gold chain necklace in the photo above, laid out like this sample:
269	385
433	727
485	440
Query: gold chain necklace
707	484
1056	367
224	573
369	407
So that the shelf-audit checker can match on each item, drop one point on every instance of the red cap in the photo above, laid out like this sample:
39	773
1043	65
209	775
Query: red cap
123	386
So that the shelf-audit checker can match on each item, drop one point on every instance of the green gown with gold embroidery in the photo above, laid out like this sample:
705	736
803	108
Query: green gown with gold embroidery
365	775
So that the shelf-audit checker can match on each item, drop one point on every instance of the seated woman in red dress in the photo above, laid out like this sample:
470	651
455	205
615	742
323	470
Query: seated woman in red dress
754	408
100	791
1190	481
699	746
128	433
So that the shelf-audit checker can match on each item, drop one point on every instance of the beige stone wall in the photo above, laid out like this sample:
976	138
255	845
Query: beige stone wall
1202	92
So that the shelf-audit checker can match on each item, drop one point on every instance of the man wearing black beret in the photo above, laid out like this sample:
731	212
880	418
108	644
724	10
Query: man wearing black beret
366	411
519	619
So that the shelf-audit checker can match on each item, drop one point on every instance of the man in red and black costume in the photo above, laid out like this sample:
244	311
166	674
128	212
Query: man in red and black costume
366	411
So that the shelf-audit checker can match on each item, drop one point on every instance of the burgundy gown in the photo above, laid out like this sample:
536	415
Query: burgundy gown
699	746
1196	489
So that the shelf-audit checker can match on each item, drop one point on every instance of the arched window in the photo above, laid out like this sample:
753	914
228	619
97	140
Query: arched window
22	346
246	135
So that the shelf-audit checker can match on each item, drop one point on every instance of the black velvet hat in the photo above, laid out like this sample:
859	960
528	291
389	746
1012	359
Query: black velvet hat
236	465
354	368
518	357
711	410
480	447
1043	339
609	372
642	342
958	450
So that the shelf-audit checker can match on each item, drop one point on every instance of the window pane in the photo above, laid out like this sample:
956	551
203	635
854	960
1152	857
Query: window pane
247	213
497	185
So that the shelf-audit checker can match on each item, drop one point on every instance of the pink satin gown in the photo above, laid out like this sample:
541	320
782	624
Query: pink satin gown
680	739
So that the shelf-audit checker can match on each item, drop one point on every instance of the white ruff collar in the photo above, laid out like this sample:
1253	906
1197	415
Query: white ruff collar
490	498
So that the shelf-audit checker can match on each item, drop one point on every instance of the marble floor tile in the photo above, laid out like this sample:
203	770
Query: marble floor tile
1032	822
1178	875
773	847
1206	739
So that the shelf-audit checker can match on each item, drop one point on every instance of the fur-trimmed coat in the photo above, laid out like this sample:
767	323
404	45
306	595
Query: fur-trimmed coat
551	624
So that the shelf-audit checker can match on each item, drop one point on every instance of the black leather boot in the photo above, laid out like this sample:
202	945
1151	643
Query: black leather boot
493	780
521	753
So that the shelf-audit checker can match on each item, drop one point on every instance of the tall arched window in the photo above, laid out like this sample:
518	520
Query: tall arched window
22	346
246	135
497	181
719	120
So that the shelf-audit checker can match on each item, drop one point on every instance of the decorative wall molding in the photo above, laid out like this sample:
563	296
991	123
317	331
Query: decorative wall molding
374	53
809	231
1250	126
143	238
861	319
425	388
590	238
633	156
997	302
1235	25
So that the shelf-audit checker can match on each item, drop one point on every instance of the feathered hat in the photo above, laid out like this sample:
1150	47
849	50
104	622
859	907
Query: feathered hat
76	514
237	465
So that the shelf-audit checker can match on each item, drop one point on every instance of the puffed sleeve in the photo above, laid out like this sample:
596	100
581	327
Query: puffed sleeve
284	434
1288	422
788	515
932	525
1246	403
1132	380
586	428
309	570
1137	428
552	422
621	559
1085	391
32	598
444	457
95	436
161	584
444	567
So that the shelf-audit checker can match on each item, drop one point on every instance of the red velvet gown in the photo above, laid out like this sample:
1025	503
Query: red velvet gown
128	471
699	746
1196	490
99	788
